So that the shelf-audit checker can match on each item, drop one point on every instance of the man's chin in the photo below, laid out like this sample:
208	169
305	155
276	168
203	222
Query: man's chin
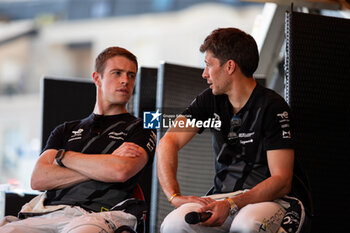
124	98
120	101
215	92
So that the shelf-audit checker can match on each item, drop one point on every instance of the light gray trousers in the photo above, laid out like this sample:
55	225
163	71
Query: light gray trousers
261	217
69	220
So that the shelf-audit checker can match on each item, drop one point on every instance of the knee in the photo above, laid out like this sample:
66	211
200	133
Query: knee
245	225
174	222
11	228
258	218
9	224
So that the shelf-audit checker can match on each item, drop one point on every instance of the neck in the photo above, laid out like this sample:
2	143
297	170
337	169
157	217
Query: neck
104	108
240	92
111	110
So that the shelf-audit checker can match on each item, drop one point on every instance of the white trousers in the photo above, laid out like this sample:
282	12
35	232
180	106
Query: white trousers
70	220
263	217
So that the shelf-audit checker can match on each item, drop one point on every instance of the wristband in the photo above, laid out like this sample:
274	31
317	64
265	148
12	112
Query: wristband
59	156
233	206
172	196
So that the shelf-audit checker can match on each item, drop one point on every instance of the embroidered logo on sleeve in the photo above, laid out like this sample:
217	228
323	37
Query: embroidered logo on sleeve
152	141
283	119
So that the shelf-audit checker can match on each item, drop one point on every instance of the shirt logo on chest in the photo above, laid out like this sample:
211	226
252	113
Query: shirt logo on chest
217	119
117	135
76	135
246	138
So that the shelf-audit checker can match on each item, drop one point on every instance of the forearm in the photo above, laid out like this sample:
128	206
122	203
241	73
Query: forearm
105	167
280	164
51	176
167	160
167	155
48	175
268	190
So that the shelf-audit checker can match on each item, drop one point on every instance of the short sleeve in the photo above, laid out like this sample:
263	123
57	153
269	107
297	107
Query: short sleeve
55	140
146	138
277	126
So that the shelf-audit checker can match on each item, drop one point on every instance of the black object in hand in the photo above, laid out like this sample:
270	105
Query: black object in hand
196	217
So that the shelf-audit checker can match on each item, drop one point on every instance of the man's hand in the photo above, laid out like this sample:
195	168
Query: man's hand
220	211
128	149
180	200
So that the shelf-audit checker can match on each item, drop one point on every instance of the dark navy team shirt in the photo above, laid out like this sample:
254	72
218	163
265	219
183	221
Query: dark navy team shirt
265	125
104	134
98	134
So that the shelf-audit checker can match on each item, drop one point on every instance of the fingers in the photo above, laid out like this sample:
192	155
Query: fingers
219	213
206	208
180	200
128	149
218	209
213	221
208	204
206	200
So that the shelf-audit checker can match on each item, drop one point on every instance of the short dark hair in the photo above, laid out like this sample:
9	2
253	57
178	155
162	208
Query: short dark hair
106	54
232	43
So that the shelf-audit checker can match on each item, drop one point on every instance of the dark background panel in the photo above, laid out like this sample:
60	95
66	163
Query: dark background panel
65	100
145	100
318	91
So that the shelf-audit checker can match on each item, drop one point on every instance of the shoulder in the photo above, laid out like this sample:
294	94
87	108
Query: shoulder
203	97
60	134
271	98
136	124
132	121
277	112
73	128
75	124
67	125
207	98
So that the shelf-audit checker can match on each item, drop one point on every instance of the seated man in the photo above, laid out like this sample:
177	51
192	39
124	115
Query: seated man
91	165
253	146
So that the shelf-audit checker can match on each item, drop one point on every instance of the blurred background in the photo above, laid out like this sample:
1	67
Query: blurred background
61	38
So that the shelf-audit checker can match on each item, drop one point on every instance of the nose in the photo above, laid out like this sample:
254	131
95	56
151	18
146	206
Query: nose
124	79
205	73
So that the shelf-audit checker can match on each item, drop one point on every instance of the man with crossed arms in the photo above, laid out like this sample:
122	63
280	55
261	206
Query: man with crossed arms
90	166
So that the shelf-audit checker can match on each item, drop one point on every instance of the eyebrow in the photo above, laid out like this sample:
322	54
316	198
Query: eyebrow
116	69
127	71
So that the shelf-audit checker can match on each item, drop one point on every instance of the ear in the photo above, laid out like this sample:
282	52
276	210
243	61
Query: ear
231	66
97	78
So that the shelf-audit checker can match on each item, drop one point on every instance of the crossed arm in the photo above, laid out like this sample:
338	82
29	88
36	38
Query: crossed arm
125	162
